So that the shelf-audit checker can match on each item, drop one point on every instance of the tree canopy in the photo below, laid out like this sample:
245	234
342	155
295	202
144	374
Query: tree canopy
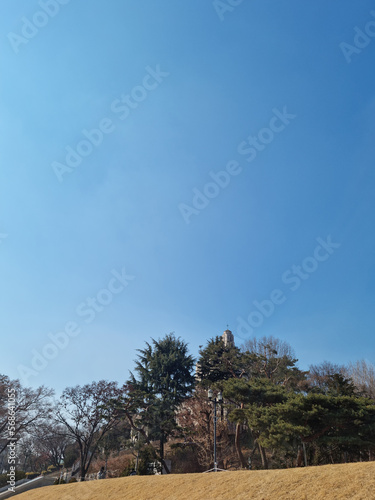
164	379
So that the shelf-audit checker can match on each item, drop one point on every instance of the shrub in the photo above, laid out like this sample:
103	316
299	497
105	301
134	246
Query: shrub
32	475
128	469
59	481
72	480
4	478
147	456
115	465
184	459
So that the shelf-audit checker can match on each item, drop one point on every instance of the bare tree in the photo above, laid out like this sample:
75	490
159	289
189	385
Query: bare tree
320	376
31	457
195	416
362	374
87	415
269	345
52	440
274	359
29	406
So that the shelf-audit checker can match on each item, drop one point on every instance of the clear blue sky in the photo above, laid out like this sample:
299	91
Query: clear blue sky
179	89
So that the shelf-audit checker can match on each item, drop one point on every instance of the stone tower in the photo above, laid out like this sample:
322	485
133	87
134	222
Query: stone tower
228	338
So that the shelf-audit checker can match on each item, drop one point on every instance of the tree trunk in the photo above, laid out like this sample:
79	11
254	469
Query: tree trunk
83	468
237	444
82	474
162	455
144	434
263	456
304	453
162	446
83	460
300	456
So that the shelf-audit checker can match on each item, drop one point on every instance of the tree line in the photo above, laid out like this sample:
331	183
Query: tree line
273	414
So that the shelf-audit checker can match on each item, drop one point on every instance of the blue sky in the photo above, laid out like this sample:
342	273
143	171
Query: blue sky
219	76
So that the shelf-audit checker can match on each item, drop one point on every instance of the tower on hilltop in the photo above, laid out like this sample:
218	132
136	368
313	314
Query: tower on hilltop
228	338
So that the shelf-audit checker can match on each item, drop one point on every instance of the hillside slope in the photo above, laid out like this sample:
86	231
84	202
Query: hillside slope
344	481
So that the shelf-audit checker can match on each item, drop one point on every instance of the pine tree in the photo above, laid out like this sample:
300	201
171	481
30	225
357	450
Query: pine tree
218	362
164	380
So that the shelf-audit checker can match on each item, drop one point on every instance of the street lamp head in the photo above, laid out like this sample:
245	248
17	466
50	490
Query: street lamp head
210	393
220	397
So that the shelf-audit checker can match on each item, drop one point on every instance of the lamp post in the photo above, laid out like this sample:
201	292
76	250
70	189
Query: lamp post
136	464
215	400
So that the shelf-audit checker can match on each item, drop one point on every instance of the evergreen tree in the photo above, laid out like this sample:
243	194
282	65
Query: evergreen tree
346	423
251	399
164	379
218	362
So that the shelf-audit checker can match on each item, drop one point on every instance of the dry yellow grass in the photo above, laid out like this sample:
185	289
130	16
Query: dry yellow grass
336	482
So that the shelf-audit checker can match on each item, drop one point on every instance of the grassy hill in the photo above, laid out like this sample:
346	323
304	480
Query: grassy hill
344	481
